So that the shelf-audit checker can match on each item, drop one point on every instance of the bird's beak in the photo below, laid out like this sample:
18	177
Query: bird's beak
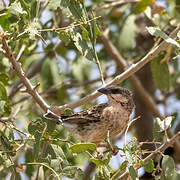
104	90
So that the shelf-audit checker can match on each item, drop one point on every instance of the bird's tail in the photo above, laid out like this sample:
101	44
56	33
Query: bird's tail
52	116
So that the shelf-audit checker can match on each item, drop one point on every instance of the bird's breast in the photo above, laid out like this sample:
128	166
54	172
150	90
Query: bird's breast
116	119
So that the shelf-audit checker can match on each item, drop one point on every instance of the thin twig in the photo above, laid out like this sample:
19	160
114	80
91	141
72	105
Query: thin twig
4	4
154	153
68	27
20	52
92	30
115	3
129	124
44	147
43	164
56	86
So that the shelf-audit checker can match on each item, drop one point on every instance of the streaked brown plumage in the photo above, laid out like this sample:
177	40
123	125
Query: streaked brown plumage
93	124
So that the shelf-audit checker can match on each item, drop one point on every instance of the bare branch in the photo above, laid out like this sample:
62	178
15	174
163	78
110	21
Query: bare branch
20	52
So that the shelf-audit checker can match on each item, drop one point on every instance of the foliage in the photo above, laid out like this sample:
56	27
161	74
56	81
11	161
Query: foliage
58	43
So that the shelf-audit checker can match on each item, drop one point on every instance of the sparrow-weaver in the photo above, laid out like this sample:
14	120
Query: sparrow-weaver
93	124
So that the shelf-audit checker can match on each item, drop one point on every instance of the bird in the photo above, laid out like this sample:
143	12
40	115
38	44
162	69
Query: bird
93	124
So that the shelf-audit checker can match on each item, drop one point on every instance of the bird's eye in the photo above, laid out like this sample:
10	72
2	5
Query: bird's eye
114	91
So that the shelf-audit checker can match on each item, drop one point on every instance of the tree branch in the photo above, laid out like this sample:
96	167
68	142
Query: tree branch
118	79
67	86
31	72
121	63
115	3
154	153
17	67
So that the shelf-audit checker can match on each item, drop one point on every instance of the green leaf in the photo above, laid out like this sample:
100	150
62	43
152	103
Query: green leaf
29	156
98	162
142	5
166	123
46	74
55	71
54	4
82	147
4	78
62	94
25	6
149	166
77	10
73	172
4	21
68	112
32	29
2	105
5	106
176	176
123	166
81	45
160	73
37	151
168	166
51	125
127	35
64	36
6	144
83	67
38	125
106	172
8	163
85	33
16	8
132	173
3	93
96	31
129	156
56	152
56	165
155	31
158	136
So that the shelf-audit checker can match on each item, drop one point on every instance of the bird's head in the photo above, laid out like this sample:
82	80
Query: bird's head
117	94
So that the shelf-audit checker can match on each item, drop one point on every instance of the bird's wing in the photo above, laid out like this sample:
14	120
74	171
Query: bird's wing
88	115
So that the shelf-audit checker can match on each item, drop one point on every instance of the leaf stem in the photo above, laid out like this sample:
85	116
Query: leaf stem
98	64
37	8
93	40
42	164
